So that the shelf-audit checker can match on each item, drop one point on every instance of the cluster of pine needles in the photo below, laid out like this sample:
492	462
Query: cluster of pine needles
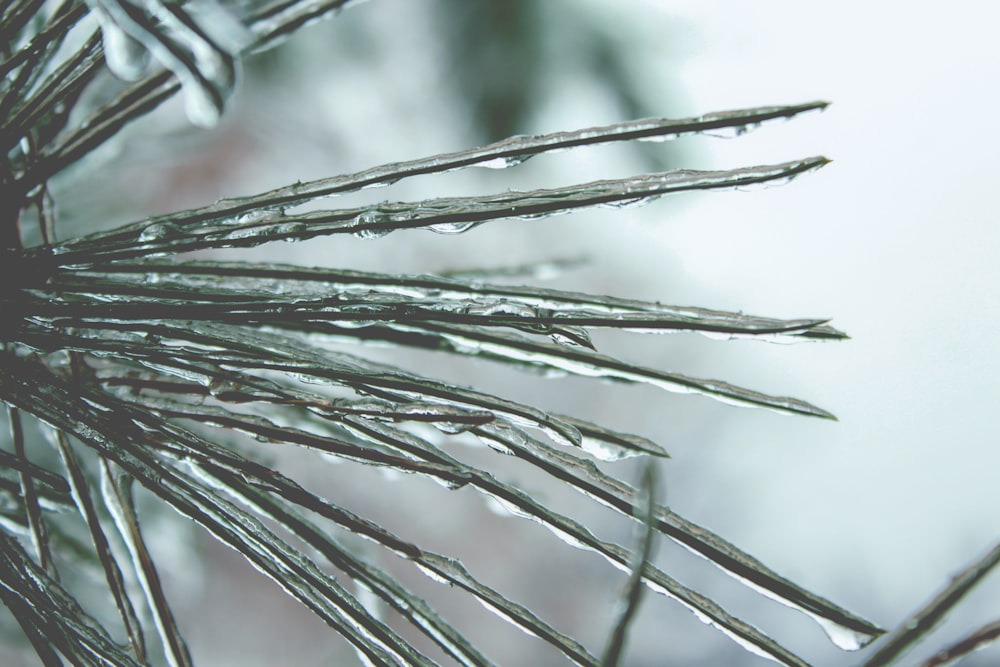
135	366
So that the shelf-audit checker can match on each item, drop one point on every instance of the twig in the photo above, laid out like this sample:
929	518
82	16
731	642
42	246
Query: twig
979	639
923	621
632	594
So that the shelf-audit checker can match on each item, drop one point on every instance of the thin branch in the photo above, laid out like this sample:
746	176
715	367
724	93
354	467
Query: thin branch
975	641
642	555
41	635
17	14
268	26
112	573
39	534
118	501
920	623
64	84
56	614
64	19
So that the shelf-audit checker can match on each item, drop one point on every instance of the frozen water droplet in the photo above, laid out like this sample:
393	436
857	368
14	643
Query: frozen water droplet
371	233
451	484
765	185
198	42
380	184
248	233
503	507
495	163
453	227
502	307
432	574
213	42
572	337
504	162
159	231
355	324
659	138
219	386
390	474
125	56
500	448
260	215
290	229
371	602
331	459
605	451
572	541
506	616
630	203
59	359
199	106
567	435
497	507
732	131
842	637
365	223
452	428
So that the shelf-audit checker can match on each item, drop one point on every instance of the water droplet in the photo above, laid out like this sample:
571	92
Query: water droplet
371	233
260	215
354	324
218	385
432	574
660	138
248	232
221	24
566	435
504	162
503	507
390	474
59	359
630	203
842	637
500	447
450	483
452	428
498	507
380	184
371	602
453	227
210	79
765	185
159	231
502	307
605	451
365	223
571	336
290	229
125	56
732	131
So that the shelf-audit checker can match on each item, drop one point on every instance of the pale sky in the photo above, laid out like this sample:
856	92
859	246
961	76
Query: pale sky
896	240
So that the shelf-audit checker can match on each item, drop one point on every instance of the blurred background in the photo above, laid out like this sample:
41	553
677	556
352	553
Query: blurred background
896	240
